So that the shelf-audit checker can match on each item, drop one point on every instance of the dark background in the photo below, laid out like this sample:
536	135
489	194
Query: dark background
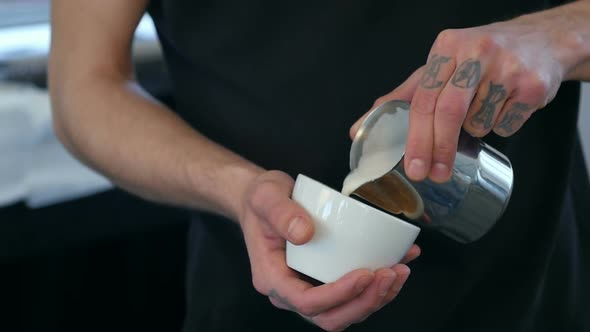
111	261
106	262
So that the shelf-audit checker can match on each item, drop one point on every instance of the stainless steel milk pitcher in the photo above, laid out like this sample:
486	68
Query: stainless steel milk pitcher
463	208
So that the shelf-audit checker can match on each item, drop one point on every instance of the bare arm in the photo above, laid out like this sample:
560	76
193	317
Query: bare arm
491	77
570	26
106	120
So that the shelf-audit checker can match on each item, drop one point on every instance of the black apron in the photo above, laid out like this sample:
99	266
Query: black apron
281	82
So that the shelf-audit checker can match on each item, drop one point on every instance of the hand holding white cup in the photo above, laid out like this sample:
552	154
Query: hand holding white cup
349	234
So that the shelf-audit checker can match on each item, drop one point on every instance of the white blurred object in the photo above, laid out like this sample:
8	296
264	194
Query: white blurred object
15	145
34	166
28	44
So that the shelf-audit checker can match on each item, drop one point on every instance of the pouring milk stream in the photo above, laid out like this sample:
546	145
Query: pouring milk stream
379	151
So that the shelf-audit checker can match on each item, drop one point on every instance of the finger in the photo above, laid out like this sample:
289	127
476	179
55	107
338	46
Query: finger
356	310
512	117
520	106
485	108
418	154
271	201
450	111
403	273
413	253
403	92
298	295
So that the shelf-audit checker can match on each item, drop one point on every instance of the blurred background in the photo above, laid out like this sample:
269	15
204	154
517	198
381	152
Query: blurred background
77	254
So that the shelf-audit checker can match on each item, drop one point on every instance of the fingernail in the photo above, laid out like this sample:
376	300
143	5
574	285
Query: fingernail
405	269
363	283
297	229
440	172
386	283
417	169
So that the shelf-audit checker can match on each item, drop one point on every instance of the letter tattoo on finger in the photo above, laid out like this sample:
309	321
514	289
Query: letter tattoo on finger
429	78
467	75
485	115
513	116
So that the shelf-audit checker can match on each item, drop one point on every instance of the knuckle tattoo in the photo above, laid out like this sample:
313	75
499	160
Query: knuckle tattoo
515	115
429	79
485	115
473	132
468	74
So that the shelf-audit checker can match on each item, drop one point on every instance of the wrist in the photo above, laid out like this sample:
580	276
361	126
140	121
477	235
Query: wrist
221	187
568	36
572	44
245	176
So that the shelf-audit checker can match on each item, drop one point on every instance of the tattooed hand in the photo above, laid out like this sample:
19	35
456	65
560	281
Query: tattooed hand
480	79
270	217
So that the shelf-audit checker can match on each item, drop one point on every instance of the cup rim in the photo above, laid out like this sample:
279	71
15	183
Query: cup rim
360	204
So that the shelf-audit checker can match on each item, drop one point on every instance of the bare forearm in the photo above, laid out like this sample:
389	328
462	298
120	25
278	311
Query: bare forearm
108	122
581	19
114	127
569	26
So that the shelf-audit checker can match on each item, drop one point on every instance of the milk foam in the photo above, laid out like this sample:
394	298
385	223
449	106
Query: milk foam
370	167
382	149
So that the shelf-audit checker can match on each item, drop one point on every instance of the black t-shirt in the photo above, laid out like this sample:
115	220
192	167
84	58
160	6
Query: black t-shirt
280	82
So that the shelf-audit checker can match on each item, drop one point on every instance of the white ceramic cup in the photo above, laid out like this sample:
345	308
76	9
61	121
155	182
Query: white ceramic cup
349	234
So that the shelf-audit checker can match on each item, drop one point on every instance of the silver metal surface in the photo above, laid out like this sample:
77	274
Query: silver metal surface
463	208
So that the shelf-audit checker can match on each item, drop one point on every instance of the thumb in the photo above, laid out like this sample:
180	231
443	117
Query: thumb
403	92
271	202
